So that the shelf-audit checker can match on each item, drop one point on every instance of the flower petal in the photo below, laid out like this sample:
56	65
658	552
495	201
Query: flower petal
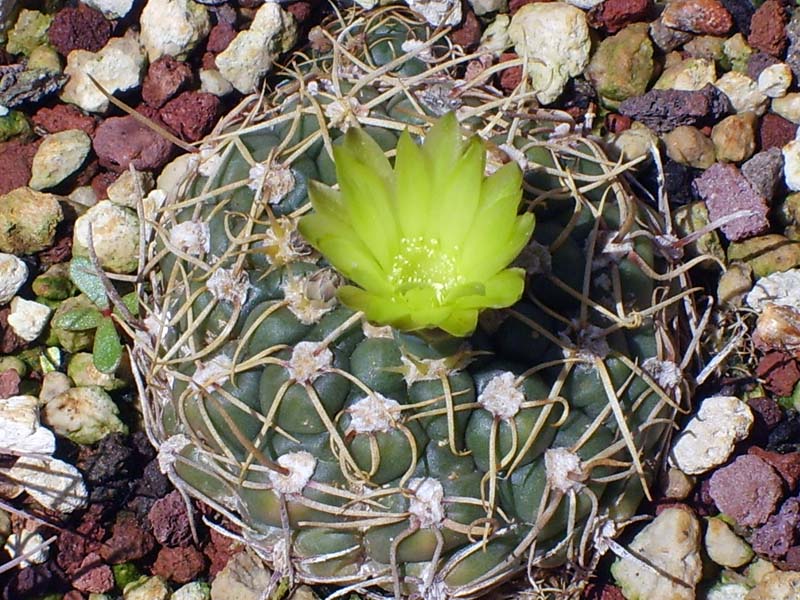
413	188
506	181
461	323
501	290
442	147
354	261
377	308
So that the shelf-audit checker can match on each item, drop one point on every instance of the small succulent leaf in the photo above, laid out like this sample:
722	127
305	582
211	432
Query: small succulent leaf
107	349
79	319
413	192
131	302
86	279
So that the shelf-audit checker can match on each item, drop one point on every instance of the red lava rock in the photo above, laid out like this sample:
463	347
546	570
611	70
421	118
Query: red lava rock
58	252
100	183
747	490
79	28
766	410
698	16
221	35
469	34
779	533
511	77
165	78
85	175
758	62
169	520
218	550
120	142
602	591
192	114
93	576
787	465
301	11
741	11
10	342
209	61
701	501
73	595
792	560
664	110
9	383
62	117
616	123
726	191
768	28
775	132
180	565
128	541
779	370
16	158
613	15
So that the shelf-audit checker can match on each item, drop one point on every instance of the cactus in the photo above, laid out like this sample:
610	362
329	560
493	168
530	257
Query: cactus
421	453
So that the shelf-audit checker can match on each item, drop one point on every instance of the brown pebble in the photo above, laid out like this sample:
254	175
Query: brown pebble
775	132
779	533
120	142
766	411
613	15
792	560
10	342
780	372
602	591
192	114
218	550
170	521
165	78
16	158
469	34
748	490
511	77
181	565
787	465
93	576
63	117
301	11
73	595
79	28
617	123
698	16
100	183
758	62
128	541
768	28
9	383
220	36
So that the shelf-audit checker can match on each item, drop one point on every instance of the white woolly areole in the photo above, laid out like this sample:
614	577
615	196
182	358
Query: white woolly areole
229	285
301	467
212	374
426	505
376	331
501	396
169	450
373	413
307	310
274	181
427	369
210	161
341	113
666	373
309	360
564	469
192	237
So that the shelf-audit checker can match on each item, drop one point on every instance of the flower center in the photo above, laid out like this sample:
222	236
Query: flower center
423	263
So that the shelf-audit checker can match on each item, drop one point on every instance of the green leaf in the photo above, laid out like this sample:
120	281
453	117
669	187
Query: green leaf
79	319
107	350
132	302
85	277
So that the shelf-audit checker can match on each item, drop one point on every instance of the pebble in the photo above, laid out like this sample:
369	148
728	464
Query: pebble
735	137
737	52
437	12
128	541
122	142
82	371
773	539
130	188
243	578
767	412
147	588
85	415
767	28
767	254
777	585
793	52
779	288
777	368
28	318
115	235
173	27
22	431
688	146
16	158
742	12
728	591
709	47
13	275
613	15
28	221
197	590
554	37
709	438
59	156
219	550
192	114
53	384
165	78
79	28
697	16
726	191
118	67
170	521
774	81
250	55
677	485
51	482
758	62
742	92
788	107
791	165
93	576
213	82
29	32
764	171
748	490
664	110
622	65
24	543
180	565
112	9
667	38
691	74
220	36
671	542
724	547
63	117
775	132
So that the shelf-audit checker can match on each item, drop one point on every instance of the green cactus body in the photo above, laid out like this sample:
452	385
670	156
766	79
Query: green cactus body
363	456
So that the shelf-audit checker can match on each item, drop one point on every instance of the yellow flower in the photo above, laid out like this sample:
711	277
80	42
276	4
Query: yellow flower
425	244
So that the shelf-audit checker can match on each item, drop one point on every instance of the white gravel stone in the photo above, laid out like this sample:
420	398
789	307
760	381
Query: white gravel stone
671	542
724	547
57	157
115	235
483	7
689	75
51	482
437	12
28	318
251	53
113	9
13	274
728	591
196	590
24	543
554	39
788	107
708	439
791	165
118	66
85	415
213	82
130	188
21	430
781	288
775	80
743	93
173	27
